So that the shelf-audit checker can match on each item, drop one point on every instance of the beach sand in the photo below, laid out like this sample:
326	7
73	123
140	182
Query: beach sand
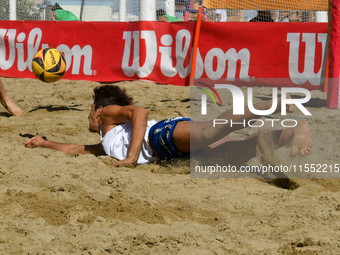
55	203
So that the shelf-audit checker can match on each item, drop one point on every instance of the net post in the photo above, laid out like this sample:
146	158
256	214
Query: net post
81	10
334	56
195	45
325	88
12	10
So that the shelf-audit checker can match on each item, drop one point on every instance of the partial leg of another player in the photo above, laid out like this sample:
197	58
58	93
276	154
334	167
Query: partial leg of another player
6	101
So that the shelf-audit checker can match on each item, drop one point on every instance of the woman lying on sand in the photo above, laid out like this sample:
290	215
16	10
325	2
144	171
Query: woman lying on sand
128	135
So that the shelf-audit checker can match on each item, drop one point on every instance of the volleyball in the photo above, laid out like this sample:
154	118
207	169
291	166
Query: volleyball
49	65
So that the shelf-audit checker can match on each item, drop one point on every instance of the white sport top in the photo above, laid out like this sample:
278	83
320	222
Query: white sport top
116	143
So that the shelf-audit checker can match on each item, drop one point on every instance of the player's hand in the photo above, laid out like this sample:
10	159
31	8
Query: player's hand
126	162
34	142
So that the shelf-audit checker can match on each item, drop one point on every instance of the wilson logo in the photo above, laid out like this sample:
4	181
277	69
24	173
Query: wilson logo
12	48
52	58
172	64
315	78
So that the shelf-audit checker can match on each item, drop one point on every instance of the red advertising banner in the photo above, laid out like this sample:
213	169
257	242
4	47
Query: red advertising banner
160	52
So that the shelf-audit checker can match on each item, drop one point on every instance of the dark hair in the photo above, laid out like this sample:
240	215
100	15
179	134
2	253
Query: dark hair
56	7
110	95
160	12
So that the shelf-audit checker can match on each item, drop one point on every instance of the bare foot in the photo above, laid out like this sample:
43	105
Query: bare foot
302	141
15	110
289	107
12	107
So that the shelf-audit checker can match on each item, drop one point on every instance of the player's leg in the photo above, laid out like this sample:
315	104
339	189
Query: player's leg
204	133
301	136
181	136
8	103
228	148
238	152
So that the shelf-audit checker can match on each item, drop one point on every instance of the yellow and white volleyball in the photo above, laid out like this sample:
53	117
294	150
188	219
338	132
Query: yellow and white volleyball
49	65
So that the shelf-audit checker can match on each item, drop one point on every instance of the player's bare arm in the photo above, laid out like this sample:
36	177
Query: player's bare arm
53	15
138	116
69	148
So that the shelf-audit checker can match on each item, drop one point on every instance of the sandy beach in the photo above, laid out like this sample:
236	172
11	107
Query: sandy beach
55	203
